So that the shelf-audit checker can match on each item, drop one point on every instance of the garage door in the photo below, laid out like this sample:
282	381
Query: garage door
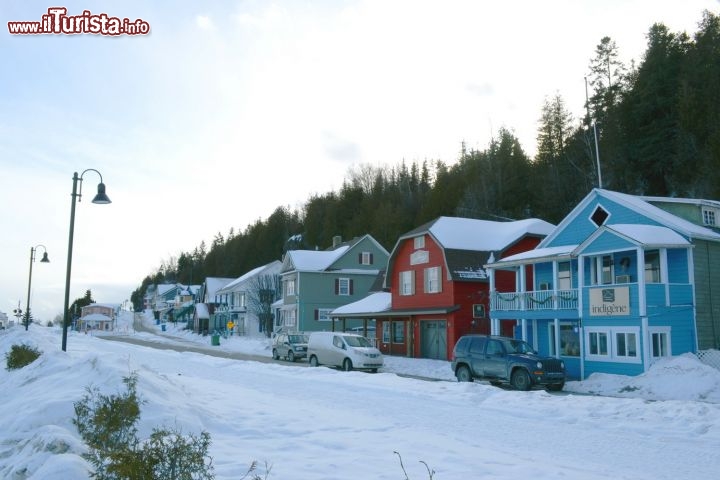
433	339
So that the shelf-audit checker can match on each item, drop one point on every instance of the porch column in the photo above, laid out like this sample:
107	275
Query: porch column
523	324
557	338
521	286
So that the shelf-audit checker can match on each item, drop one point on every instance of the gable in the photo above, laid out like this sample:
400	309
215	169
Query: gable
351	258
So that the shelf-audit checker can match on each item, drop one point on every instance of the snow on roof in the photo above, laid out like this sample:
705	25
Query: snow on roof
315	260
374	303
484	235
649	234
536	254
213	284
252	273
96	317
201	310
666	218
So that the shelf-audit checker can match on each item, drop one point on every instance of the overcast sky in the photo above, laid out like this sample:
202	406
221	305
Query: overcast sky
229	109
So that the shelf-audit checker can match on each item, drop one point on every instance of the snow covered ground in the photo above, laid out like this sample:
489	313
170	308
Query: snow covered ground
319	423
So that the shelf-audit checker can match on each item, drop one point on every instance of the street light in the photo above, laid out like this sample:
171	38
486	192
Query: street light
45	259
100	198
18	312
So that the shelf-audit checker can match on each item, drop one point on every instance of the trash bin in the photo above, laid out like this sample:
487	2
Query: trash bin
163	327
215	339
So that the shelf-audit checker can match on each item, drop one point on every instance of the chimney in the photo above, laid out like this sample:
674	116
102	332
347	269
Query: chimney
337	240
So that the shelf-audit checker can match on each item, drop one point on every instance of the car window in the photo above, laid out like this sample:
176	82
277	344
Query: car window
494	347
518	346
297	339
337	341
477	345
357	341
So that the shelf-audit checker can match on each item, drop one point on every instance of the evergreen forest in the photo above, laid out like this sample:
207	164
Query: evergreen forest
657	125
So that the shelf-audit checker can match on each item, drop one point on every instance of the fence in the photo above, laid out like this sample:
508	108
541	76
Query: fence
710	357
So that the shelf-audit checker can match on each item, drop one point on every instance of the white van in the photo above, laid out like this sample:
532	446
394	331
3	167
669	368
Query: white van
345	350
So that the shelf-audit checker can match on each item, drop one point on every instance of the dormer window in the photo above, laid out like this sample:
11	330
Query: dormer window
599	216
709	217
419	242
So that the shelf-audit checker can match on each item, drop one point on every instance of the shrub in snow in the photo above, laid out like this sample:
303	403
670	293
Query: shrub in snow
21	355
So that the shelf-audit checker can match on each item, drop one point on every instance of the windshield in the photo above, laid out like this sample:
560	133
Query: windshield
518	346
354	341
298	339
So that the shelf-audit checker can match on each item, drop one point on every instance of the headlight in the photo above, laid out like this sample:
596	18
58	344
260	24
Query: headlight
539	365
562	365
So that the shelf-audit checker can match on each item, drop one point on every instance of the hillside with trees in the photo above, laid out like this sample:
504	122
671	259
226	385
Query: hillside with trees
658	130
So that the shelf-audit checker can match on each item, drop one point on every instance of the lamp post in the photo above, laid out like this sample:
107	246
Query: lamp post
18	312
100	198
45	259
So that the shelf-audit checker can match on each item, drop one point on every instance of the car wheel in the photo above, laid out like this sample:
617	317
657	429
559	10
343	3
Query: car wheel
275	355
347	365
373	370
556	387
520	380
290	356
313	361
463	374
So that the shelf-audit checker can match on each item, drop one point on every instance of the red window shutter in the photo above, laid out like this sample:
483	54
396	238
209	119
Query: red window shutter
337	286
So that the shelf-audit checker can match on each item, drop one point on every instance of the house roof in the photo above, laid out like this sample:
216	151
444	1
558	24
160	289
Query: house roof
96	317
379	304
313	260
638	204
239	283
213	284
469	243
649	235
201	310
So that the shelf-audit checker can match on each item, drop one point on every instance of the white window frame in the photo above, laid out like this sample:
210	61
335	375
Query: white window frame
708	215
613	355
387	325
343	287
419	242
662	332
654	273
324	314
551	338
564	277
407	282
290	318
433	279
290	287
365	258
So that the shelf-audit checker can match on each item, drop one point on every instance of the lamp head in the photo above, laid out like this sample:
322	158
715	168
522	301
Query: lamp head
45	258
101	197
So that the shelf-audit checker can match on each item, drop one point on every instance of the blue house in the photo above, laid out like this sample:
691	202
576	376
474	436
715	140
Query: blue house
622	281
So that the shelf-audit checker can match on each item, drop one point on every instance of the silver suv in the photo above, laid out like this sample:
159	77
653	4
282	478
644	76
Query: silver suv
291	346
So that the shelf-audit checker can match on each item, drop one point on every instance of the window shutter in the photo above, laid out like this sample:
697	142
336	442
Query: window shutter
351	286
360	258
337	286
371	259
317	314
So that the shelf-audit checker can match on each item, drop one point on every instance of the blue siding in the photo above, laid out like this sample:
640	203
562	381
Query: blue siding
544	274
677	259
582	227
607	242
614	368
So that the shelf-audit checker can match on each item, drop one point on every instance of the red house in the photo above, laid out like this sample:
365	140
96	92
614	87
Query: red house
438	286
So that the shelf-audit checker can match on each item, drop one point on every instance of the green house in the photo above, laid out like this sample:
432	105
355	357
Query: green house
315	282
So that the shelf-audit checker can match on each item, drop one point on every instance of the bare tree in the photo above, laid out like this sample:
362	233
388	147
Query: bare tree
263	291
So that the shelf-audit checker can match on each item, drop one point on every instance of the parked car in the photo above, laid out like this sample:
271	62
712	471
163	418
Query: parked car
291	346
505	360
344	350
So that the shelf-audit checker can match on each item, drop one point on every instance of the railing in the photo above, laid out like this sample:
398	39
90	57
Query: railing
535	300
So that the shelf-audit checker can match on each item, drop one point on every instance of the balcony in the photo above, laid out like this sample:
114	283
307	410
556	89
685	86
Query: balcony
535	300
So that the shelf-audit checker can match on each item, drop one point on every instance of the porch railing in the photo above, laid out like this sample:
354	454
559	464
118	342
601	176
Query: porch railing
535	300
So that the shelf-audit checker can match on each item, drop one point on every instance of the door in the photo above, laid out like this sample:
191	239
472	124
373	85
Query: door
495	362
433	339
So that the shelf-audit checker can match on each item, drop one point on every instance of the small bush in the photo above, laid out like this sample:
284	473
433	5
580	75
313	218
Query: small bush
107	425
21	355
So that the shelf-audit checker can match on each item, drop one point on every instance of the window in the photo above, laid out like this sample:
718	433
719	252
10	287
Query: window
708	216
366	258
419	242
597	343
290	318
607	270
660	340
343	286
569	340
617	344
386	332
398	332
323	314
652	266
432	280
290	287
407	282
564	282
601	269
625	344
241	300
599	216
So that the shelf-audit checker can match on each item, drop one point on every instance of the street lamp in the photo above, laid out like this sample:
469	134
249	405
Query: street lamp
100	198
18	312
45	259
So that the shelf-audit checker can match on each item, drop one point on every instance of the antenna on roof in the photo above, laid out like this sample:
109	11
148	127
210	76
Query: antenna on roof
597	149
